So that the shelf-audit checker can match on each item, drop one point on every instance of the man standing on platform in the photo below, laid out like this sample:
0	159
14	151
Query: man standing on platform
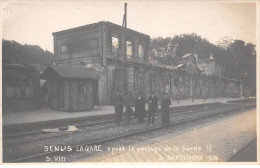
118	104
165	103
152	107
140	108
129	102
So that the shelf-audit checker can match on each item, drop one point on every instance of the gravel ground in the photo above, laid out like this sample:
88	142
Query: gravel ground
77	157
90	134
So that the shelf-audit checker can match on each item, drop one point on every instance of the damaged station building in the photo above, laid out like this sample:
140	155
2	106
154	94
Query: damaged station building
90	68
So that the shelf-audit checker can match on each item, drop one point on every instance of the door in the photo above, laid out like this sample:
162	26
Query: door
118	80
82	96
89	95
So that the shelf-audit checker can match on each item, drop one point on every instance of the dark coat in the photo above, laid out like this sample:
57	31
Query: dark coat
152	103
129	100
140	109
165	103
118	101
140	104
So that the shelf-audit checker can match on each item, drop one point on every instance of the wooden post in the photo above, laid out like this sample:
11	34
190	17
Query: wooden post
192	99
204	88
221	89
124	49
179	88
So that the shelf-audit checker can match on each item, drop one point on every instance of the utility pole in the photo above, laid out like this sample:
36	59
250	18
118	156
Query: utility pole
192	100
123	47
124	51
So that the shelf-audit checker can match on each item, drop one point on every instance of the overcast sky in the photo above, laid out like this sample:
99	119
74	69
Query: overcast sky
33	23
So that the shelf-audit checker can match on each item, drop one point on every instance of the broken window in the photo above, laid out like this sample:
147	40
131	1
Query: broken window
129	49
63	48
115	46
140	51
77	46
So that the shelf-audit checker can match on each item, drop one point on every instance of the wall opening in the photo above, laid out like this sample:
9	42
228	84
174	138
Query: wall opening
140	51
115	46
129	49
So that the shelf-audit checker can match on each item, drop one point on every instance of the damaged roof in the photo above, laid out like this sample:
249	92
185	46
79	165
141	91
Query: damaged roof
93	25
66	71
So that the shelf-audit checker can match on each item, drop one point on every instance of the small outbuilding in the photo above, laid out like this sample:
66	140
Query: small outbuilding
71	88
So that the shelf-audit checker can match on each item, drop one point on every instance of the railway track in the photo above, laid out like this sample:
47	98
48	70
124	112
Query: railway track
62	130
250	100
83	124
8	130
37	157
87	121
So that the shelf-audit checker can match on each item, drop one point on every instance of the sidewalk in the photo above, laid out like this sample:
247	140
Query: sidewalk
49	114
216	141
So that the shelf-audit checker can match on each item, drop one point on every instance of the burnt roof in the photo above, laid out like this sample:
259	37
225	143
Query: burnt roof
95	25
67	71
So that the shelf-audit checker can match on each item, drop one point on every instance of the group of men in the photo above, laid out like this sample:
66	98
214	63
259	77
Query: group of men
139	104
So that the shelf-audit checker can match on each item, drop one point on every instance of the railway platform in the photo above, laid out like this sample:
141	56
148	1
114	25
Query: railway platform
214	141
247	154
46	114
